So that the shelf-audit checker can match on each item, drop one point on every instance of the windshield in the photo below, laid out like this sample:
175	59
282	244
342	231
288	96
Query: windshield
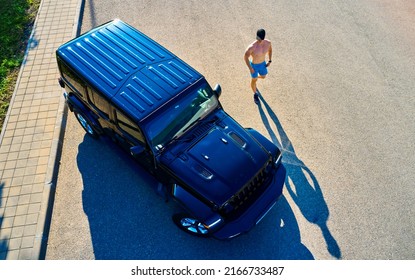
181	116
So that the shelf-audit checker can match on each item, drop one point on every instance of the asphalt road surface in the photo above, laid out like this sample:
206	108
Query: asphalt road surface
338	100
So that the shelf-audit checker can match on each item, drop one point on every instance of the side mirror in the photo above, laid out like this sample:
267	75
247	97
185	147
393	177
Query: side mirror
136	150
61	83
217	90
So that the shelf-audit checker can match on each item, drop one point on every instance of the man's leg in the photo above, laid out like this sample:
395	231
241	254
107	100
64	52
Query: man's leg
254	80
255	90
253	84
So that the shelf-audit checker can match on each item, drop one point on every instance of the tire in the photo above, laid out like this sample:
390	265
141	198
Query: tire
190	225
86	124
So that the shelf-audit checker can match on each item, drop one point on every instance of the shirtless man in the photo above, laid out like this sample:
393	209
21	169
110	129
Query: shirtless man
257	66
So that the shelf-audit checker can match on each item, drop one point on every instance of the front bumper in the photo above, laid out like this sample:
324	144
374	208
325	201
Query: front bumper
256	211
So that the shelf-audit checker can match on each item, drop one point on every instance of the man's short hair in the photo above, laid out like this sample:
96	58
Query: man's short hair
260	34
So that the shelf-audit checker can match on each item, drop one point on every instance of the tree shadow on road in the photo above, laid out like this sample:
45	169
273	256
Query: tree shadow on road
128	220
92	15
3	242
300	182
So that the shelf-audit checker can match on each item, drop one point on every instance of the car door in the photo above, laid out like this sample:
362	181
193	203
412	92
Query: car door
100	106
131	138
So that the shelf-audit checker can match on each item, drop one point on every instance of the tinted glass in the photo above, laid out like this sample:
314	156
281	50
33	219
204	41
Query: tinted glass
182	115
129	127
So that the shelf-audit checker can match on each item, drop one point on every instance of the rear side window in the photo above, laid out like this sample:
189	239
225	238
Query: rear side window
98	102
128	126
75	82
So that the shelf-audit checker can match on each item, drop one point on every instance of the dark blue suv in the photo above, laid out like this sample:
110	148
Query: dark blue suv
120	83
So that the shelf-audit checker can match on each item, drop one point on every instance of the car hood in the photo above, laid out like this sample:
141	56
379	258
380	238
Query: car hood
220	163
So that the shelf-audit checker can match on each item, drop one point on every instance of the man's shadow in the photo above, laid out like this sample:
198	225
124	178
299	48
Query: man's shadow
300	182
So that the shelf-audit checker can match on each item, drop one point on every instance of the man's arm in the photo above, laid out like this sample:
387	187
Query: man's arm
246	58
269	54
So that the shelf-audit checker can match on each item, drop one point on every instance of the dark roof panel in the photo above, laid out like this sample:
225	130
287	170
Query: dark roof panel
132	70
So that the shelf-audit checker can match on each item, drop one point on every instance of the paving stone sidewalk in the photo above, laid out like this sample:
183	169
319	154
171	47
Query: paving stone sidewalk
31	136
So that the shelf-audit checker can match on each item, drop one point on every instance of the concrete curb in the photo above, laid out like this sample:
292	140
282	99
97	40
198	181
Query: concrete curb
53	163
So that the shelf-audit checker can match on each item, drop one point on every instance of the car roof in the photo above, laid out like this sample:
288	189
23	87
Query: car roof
133	71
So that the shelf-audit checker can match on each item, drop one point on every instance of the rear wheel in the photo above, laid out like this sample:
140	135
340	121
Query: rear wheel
85	123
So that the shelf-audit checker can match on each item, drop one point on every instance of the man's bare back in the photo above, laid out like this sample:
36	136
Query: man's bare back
258	50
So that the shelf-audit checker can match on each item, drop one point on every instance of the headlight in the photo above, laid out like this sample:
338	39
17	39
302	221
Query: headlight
278	159
213	222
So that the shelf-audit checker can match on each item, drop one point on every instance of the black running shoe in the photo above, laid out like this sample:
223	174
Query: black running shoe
256	98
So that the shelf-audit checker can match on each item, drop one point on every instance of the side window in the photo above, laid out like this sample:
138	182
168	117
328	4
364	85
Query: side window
128	126
98	102
74	81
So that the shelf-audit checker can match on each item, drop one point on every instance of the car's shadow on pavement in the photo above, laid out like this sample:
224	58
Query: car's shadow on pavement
128	220
300	182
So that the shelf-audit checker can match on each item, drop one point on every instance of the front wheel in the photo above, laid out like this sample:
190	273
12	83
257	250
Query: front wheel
190	225
85	123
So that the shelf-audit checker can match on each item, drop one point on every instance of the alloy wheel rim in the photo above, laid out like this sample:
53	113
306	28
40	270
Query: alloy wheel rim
85	124
193	225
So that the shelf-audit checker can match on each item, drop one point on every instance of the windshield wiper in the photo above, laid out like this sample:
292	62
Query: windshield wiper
179	138
200	121
176	138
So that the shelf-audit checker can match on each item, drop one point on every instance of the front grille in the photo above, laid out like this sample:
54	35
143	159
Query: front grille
236	205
